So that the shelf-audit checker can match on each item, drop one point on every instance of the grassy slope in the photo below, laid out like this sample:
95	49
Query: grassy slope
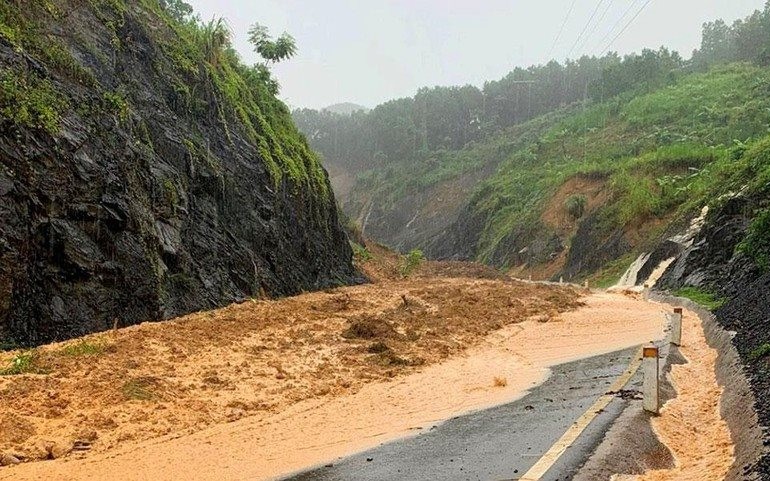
669	150
660	153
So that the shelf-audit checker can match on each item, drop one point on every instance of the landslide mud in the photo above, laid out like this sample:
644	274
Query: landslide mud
342	370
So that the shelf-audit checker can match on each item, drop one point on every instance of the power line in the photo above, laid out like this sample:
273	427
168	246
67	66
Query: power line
586	27
625	27
596	27
561	29
617	23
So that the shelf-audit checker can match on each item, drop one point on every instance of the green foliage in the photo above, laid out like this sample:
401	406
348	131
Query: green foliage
84	347
746	39
611	273
271	50
116	103
205	65
178	10
696	107
648	70
212	38
28	100
662	135
25	362
411	262
171	193
760	352
756	243
701	296
636	199
576	205
655	166
361	253
17	25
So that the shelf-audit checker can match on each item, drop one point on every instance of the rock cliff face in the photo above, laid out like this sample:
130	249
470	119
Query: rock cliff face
713	262
132	189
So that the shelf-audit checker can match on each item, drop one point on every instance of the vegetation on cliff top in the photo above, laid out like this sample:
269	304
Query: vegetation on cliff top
199	61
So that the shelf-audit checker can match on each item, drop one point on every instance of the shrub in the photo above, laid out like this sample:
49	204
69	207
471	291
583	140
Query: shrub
411	262
576	205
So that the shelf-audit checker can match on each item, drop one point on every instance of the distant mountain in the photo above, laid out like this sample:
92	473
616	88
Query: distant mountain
345	108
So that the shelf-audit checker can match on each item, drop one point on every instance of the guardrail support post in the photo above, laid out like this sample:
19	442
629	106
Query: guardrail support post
676	326
650	386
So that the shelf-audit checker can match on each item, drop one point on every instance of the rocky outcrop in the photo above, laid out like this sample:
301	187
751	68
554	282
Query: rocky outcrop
592	247
143	205
712	262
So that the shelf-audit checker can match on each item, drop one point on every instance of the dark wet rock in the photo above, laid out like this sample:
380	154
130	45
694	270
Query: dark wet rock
162	213
663	251
712	261
593	247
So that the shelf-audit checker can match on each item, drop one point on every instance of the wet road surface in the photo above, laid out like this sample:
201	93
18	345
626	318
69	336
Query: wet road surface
500	443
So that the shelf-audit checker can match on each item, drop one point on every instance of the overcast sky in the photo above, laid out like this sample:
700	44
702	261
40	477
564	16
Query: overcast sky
368	51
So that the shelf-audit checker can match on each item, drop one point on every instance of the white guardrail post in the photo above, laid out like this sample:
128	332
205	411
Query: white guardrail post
650	386
676	326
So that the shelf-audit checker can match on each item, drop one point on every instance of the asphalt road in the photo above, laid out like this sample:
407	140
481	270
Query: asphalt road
501	443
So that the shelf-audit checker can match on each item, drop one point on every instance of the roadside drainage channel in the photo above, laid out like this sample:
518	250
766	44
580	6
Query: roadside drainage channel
631	447
737	401
504	442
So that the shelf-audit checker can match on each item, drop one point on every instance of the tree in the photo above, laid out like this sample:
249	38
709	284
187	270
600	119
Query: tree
273	51
179	10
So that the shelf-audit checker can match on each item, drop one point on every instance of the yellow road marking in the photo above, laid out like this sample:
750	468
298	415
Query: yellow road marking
552	455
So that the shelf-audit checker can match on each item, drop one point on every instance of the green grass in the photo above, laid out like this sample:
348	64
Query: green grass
85	348
660	154
26	362
361	253
28	100
756	243
139	389
700	296
612	271
760	352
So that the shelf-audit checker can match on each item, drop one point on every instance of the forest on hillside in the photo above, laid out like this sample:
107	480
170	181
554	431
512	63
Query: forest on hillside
445	118
469	173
